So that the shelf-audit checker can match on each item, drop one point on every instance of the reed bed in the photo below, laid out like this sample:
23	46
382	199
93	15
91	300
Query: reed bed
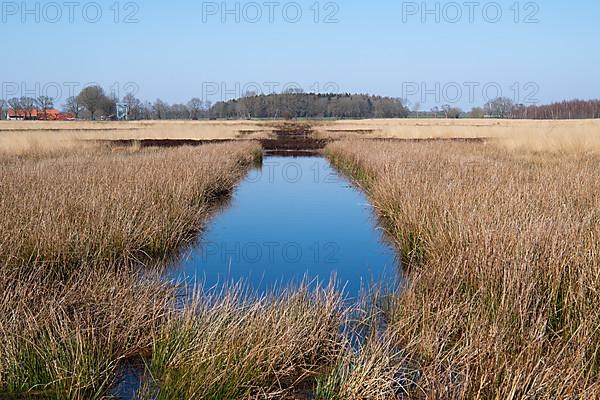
501	250
106	207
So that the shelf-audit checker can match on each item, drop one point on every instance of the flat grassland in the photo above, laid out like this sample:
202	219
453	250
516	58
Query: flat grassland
566	136
499	241
35	137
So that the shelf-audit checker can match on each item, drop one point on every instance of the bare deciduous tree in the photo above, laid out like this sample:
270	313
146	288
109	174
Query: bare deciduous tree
2	106
28	106
109	106
500	107
195	106
15	105
45	103
159	109
477	112
451	112
92	98
178	111
73	106
134	106
417	108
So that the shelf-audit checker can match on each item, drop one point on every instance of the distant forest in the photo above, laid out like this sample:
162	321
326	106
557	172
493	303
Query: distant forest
309	105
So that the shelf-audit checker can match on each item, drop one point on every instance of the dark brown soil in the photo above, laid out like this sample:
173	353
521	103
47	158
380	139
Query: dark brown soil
293	144
292	137
159	142
462	140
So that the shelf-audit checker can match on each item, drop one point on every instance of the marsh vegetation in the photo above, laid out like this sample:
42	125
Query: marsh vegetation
499	245
501	249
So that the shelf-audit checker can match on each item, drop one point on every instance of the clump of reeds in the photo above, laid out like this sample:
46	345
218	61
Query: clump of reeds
64	339
228	344
504	270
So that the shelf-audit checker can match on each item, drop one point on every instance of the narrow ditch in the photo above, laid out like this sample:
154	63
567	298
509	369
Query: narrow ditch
293	219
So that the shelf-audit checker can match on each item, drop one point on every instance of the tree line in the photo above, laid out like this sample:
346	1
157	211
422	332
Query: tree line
93	103
310	105
27	106
503	107
573	109
89	103
292	104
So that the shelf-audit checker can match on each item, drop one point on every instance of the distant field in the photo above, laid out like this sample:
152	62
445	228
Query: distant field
27	137
563	135
139	129
573	136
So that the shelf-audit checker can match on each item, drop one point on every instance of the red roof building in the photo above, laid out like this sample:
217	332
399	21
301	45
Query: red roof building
39	115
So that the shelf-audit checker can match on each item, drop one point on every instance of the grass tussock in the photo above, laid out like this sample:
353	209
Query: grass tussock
64	339
504	269
227	345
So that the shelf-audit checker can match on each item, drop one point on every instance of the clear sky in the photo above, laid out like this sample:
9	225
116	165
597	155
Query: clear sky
175	50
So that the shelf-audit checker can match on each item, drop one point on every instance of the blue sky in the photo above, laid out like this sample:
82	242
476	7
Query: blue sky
181	49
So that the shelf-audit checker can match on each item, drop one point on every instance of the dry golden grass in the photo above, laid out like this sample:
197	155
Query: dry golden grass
504	270
574	136
73	227
142	129
226	345
102	206
64	338
35	137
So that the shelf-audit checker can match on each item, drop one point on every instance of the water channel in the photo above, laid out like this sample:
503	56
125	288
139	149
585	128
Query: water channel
293	219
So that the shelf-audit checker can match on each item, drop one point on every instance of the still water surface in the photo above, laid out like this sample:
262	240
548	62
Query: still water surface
294	218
